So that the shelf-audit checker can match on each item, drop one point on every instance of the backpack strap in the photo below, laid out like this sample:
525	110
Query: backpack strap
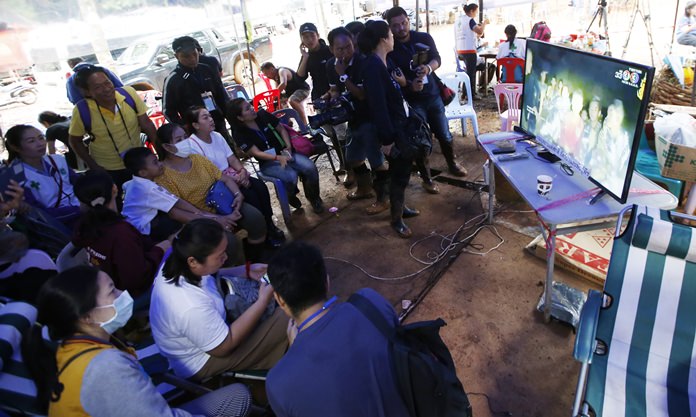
371	312
77	355
128	98
85	116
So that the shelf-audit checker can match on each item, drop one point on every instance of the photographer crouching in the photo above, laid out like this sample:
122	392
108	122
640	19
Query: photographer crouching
346	87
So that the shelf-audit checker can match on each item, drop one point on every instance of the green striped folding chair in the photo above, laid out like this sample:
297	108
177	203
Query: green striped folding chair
17	389
638	334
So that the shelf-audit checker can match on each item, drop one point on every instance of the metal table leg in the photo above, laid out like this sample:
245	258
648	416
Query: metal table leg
550	259
491	190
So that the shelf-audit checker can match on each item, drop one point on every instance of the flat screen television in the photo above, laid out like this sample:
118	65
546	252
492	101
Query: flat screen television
588	110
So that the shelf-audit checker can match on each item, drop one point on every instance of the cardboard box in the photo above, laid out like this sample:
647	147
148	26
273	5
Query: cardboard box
586	253
676	161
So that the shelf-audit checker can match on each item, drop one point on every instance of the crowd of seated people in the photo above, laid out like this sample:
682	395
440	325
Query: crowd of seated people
153	244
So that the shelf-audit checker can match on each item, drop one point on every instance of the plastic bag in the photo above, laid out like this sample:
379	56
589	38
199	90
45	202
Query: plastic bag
566	303
677	128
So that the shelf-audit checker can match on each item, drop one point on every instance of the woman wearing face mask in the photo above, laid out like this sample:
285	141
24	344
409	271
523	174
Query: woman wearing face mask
92	373
113	244
189	177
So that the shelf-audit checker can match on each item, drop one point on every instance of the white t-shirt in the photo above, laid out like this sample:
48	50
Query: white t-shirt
142	200
517	51
464	38
187	321
50	184
217	151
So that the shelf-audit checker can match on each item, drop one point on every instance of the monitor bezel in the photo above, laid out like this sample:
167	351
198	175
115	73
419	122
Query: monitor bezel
640	125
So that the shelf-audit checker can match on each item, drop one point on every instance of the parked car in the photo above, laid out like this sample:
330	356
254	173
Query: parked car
151	59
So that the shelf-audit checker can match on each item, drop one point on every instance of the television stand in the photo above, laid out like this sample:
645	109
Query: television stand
597	197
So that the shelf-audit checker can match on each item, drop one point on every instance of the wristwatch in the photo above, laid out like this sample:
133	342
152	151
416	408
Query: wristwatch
343	78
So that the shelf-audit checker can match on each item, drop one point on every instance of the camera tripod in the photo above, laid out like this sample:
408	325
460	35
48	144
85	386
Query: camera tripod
601	12
637	9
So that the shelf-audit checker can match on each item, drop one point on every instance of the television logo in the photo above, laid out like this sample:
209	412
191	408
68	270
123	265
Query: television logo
630	77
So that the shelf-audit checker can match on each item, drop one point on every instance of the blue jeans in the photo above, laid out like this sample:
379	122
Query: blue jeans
301	167
432	110
363	143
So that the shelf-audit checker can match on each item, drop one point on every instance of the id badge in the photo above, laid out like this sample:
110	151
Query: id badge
208	101
270	151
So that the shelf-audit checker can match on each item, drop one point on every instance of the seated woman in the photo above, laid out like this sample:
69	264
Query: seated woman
204	140
187	312
190	178
511	48
112	244
262	136
48	179
92	373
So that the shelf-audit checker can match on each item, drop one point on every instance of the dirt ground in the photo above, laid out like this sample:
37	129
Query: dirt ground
499	342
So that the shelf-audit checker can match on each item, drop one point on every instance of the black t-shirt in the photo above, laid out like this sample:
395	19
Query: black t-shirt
316	67
59	131
293	84
210	61
264	139
354	71
402	56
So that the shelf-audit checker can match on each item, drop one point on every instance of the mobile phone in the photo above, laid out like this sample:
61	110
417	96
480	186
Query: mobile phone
497	151
15	172
265	279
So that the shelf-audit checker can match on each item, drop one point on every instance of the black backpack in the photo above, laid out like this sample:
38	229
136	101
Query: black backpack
423	367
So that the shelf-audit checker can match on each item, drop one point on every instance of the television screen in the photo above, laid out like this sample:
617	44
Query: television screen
587	109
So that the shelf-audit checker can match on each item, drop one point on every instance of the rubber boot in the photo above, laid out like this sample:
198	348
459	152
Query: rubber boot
363	177
452	166
423	166
381	186
397	209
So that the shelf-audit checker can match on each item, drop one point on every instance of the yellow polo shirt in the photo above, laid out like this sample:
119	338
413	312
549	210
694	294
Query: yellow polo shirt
191	186
124	131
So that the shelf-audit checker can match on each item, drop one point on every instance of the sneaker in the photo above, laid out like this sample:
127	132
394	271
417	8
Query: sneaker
431	187
275	237
318	206
294	201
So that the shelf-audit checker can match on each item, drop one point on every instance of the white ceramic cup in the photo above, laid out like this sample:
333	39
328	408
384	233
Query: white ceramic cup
544	184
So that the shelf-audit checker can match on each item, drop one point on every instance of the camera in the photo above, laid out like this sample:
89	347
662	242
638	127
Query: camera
333	112
421	55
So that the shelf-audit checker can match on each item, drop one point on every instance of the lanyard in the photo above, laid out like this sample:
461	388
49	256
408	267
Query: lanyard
316	313
120	113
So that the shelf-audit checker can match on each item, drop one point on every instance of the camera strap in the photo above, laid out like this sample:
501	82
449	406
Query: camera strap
277	135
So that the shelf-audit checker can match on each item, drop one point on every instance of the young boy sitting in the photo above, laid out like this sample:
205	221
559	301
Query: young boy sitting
150	208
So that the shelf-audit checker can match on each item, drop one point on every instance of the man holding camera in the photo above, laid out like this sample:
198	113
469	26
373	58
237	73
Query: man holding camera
345	76
417	56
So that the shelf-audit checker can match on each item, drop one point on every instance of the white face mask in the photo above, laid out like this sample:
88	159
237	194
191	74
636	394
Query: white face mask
123	305
179	149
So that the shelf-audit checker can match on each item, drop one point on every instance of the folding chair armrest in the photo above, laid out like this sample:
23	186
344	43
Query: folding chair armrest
587	328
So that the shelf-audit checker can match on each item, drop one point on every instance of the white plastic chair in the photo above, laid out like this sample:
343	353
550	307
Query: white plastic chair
512	93
459	109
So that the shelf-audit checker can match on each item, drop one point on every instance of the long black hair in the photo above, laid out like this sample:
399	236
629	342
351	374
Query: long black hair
94	189
61	302
511	32
233	111
51	118
375	30
191	116
198	239
13	140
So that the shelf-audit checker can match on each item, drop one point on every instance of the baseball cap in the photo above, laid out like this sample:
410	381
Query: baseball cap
184	43
308	27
